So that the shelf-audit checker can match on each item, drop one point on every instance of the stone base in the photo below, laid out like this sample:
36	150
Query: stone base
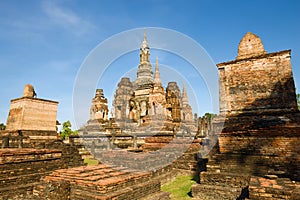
99	182
230	175
158	152
27	138
266	140
252	147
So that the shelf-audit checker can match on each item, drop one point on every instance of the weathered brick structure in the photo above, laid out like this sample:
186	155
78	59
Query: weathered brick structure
99	107
31	148
100	182
157	153
258	151
173	97
125	174
123	94
31	122
22	169
30	113
261	132
144	101
271	187
257	81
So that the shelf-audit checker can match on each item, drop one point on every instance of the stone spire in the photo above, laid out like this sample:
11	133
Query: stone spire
144	50
144	73
156	79
187	112
185	100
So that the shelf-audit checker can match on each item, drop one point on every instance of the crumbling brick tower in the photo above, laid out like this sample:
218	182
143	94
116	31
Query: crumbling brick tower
256	80
261	132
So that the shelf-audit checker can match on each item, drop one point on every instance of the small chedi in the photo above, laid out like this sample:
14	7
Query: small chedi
259	142
30	146
31	121
143	103
31	113
99	109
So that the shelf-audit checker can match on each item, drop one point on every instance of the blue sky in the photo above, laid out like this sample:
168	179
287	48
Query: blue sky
45	42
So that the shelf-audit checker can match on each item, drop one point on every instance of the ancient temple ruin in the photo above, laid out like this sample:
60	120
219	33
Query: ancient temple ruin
258	152
31	147
144	101
31	121
257	80
257	155
99	108
31	113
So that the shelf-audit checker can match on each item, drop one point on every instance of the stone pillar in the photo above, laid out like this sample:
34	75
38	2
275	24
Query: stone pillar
108	144
5	142
20	142
134	139
93	148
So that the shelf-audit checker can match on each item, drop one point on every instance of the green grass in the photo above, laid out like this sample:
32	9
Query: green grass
180	187
90	161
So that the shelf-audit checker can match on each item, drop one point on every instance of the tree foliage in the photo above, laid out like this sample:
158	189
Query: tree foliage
2	126
66	130
210	116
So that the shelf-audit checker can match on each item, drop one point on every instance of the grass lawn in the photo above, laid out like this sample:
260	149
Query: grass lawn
180	187
91	161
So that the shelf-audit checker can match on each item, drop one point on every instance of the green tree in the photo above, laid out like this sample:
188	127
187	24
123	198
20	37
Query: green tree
2	126
66	130
210	116
298	101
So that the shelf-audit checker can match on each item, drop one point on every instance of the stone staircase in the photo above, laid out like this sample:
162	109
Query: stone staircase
223	179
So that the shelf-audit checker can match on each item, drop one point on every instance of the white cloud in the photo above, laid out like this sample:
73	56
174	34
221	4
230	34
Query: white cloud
67	18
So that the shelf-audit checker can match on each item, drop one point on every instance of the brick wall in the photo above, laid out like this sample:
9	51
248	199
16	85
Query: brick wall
272	187
21	169
274	141
263	82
